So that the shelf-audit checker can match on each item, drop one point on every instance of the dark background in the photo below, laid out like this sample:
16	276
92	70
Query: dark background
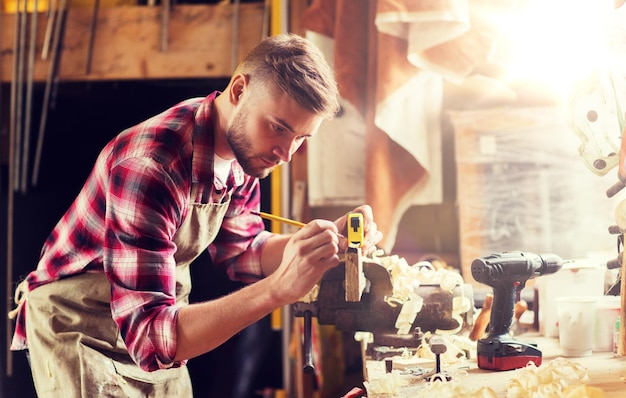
83	118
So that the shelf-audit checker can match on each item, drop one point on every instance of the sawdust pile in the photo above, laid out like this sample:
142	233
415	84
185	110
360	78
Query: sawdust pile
560	378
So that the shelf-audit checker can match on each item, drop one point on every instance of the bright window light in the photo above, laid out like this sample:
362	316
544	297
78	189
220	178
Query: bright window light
556	42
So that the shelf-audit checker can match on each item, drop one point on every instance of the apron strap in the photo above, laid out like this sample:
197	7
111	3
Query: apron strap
21	293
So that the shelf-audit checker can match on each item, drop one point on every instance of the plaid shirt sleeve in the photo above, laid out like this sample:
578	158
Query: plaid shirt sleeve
142	206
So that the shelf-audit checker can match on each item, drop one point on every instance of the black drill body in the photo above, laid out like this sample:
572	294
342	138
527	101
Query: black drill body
507	273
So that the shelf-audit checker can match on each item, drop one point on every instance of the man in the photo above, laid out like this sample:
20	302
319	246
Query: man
106	312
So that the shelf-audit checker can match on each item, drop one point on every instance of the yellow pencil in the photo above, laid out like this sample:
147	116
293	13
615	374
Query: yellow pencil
272	217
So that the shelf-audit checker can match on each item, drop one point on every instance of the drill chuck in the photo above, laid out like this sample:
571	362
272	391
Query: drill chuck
552	263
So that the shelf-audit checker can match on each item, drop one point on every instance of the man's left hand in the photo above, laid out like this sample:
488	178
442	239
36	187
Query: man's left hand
372	236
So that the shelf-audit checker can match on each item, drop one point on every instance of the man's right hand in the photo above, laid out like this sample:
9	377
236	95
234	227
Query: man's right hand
309	253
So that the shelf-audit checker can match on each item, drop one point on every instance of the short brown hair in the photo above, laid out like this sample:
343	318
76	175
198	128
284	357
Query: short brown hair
297	67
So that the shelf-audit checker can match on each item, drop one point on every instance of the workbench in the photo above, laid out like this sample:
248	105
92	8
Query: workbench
606	371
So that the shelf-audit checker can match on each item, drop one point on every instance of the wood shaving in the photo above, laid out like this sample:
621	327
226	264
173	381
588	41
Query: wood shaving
406	280
455	349
408	313
311	296
583	391
552	380
388	384
455	388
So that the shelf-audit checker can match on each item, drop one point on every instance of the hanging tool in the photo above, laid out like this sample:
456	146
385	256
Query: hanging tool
234	50
10	191
165	24
29	96
92	35
19	92
53	78
45	48
507	273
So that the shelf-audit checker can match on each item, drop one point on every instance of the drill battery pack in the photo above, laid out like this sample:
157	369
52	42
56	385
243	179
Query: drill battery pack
506	354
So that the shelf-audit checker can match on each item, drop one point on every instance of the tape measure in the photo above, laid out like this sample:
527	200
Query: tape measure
355	230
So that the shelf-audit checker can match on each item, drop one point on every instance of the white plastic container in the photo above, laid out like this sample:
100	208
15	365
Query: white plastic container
607	312
576	279
577	318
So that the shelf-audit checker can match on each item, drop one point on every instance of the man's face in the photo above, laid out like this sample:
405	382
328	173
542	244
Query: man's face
267	128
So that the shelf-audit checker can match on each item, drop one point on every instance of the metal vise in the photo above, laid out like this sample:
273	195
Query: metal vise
372	312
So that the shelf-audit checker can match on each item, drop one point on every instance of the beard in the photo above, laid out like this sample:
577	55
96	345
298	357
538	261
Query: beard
241	146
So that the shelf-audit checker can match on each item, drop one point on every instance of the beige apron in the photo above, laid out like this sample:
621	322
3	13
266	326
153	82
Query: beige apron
93	362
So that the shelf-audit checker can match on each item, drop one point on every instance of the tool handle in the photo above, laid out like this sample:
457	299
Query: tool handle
615	188
308	367
482	320
502	309
616	262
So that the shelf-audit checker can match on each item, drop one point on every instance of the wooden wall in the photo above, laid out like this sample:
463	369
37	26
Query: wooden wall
128	42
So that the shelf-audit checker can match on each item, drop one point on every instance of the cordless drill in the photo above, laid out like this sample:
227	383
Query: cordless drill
507	273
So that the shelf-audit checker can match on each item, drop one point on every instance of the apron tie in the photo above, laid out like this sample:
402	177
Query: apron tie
21	292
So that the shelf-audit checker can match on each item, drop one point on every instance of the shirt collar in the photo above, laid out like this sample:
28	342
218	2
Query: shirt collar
204	146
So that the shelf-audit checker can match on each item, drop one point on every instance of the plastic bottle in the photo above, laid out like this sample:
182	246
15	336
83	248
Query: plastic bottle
616	335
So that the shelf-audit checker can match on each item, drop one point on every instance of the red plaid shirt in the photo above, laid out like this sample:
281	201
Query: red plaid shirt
125	217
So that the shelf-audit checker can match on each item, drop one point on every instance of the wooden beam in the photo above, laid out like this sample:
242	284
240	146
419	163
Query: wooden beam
297	8
128	42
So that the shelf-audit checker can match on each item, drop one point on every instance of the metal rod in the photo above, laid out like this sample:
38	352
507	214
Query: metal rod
265	29
19	93
288	320
9	270
29	96
307	344
52	72
52	9
273	12
13	105
165	18
10	201
92	35
234	51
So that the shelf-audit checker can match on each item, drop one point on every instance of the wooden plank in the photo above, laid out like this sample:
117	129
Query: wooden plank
128	42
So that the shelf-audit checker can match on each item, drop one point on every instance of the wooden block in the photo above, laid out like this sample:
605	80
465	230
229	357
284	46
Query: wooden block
355	279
